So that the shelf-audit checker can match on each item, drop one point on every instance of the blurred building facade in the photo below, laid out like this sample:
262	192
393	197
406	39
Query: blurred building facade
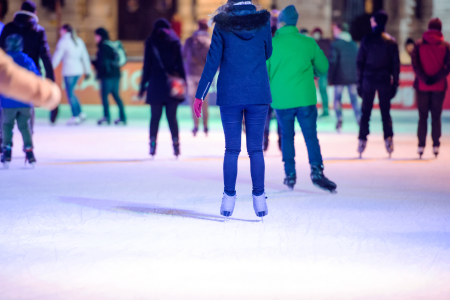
131	20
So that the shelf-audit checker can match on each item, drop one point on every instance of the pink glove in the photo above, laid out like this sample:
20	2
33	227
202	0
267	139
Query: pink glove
198	107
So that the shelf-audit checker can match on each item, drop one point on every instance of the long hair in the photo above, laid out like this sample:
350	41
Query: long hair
72	32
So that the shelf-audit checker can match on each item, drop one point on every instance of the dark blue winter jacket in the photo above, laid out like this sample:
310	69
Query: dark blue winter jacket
241	44
26	62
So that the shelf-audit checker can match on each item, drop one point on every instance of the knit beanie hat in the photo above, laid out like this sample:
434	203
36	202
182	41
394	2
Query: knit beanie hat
380	17
289	15
103	33
435	24
14	43
29	6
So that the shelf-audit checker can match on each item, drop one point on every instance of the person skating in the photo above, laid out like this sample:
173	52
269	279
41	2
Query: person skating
378	71
108	72
431	63
342	72
241	44
25	24
162	59
322	82
13	110
291	70
72	52
194	52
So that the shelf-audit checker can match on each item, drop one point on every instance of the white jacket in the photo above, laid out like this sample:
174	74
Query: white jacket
75	58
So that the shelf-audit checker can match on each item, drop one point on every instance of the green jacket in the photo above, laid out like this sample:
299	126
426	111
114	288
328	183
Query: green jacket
295	60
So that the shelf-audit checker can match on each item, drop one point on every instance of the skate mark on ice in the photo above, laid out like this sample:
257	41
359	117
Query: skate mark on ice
142	208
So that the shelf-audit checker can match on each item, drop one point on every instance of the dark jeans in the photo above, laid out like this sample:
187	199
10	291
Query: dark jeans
430	102
384	96
171	113
352	91
71	82
307	118
267	126
323	84
23	117
111	86
255	119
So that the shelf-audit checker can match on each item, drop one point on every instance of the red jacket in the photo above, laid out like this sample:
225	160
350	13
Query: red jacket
431	62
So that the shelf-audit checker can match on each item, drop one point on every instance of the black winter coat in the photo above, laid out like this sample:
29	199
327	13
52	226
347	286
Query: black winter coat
378	60
154	78
343	69
104	63
35	43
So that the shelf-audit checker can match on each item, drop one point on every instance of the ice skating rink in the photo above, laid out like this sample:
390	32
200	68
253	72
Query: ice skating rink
98	219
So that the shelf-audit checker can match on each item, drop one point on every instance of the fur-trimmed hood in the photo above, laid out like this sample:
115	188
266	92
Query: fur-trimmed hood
242	20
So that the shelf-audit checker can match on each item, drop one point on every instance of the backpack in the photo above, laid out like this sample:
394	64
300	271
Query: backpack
120	56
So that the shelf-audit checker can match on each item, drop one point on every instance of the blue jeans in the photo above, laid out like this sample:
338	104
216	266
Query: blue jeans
352	90
71	82
307	117
255	119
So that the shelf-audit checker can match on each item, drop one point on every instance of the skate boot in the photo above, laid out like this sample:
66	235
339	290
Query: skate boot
320	181
420	151
104	120
436	151
206	130
152	146
290	181
227	207
194	131
120	122
176	147
339	126
29	156
361	147
260	205
389	145
6	156
73	121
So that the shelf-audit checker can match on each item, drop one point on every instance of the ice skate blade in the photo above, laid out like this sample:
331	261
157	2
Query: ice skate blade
324	189
6	165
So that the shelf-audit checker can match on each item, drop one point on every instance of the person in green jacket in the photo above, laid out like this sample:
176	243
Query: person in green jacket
296	59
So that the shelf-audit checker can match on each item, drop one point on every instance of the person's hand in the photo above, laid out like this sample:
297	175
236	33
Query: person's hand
140	97
87	76
198	107
359	89
394	89
430	80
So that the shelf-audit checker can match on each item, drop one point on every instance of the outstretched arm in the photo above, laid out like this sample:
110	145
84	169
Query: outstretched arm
23	85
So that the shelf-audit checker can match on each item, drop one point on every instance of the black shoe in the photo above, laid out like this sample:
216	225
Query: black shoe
320	181
6	154
290	181
205	130
339	125
176	147
152	147
29	156
120	122
361	147
194	131
389	143
104	120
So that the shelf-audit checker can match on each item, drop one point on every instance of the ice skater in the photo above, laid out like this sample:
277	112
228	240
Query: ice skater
291	68
194	52
378	71
72	52
241	44
431	63
162	59
13	110
342	71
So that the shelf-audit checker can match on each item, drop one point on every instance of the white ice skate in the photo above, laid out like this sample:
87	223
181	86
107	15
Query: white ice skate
227	207
260	206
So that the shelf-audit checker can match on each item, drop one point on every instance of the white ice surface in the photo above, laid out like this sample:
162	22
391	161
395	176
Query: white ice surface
97	219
